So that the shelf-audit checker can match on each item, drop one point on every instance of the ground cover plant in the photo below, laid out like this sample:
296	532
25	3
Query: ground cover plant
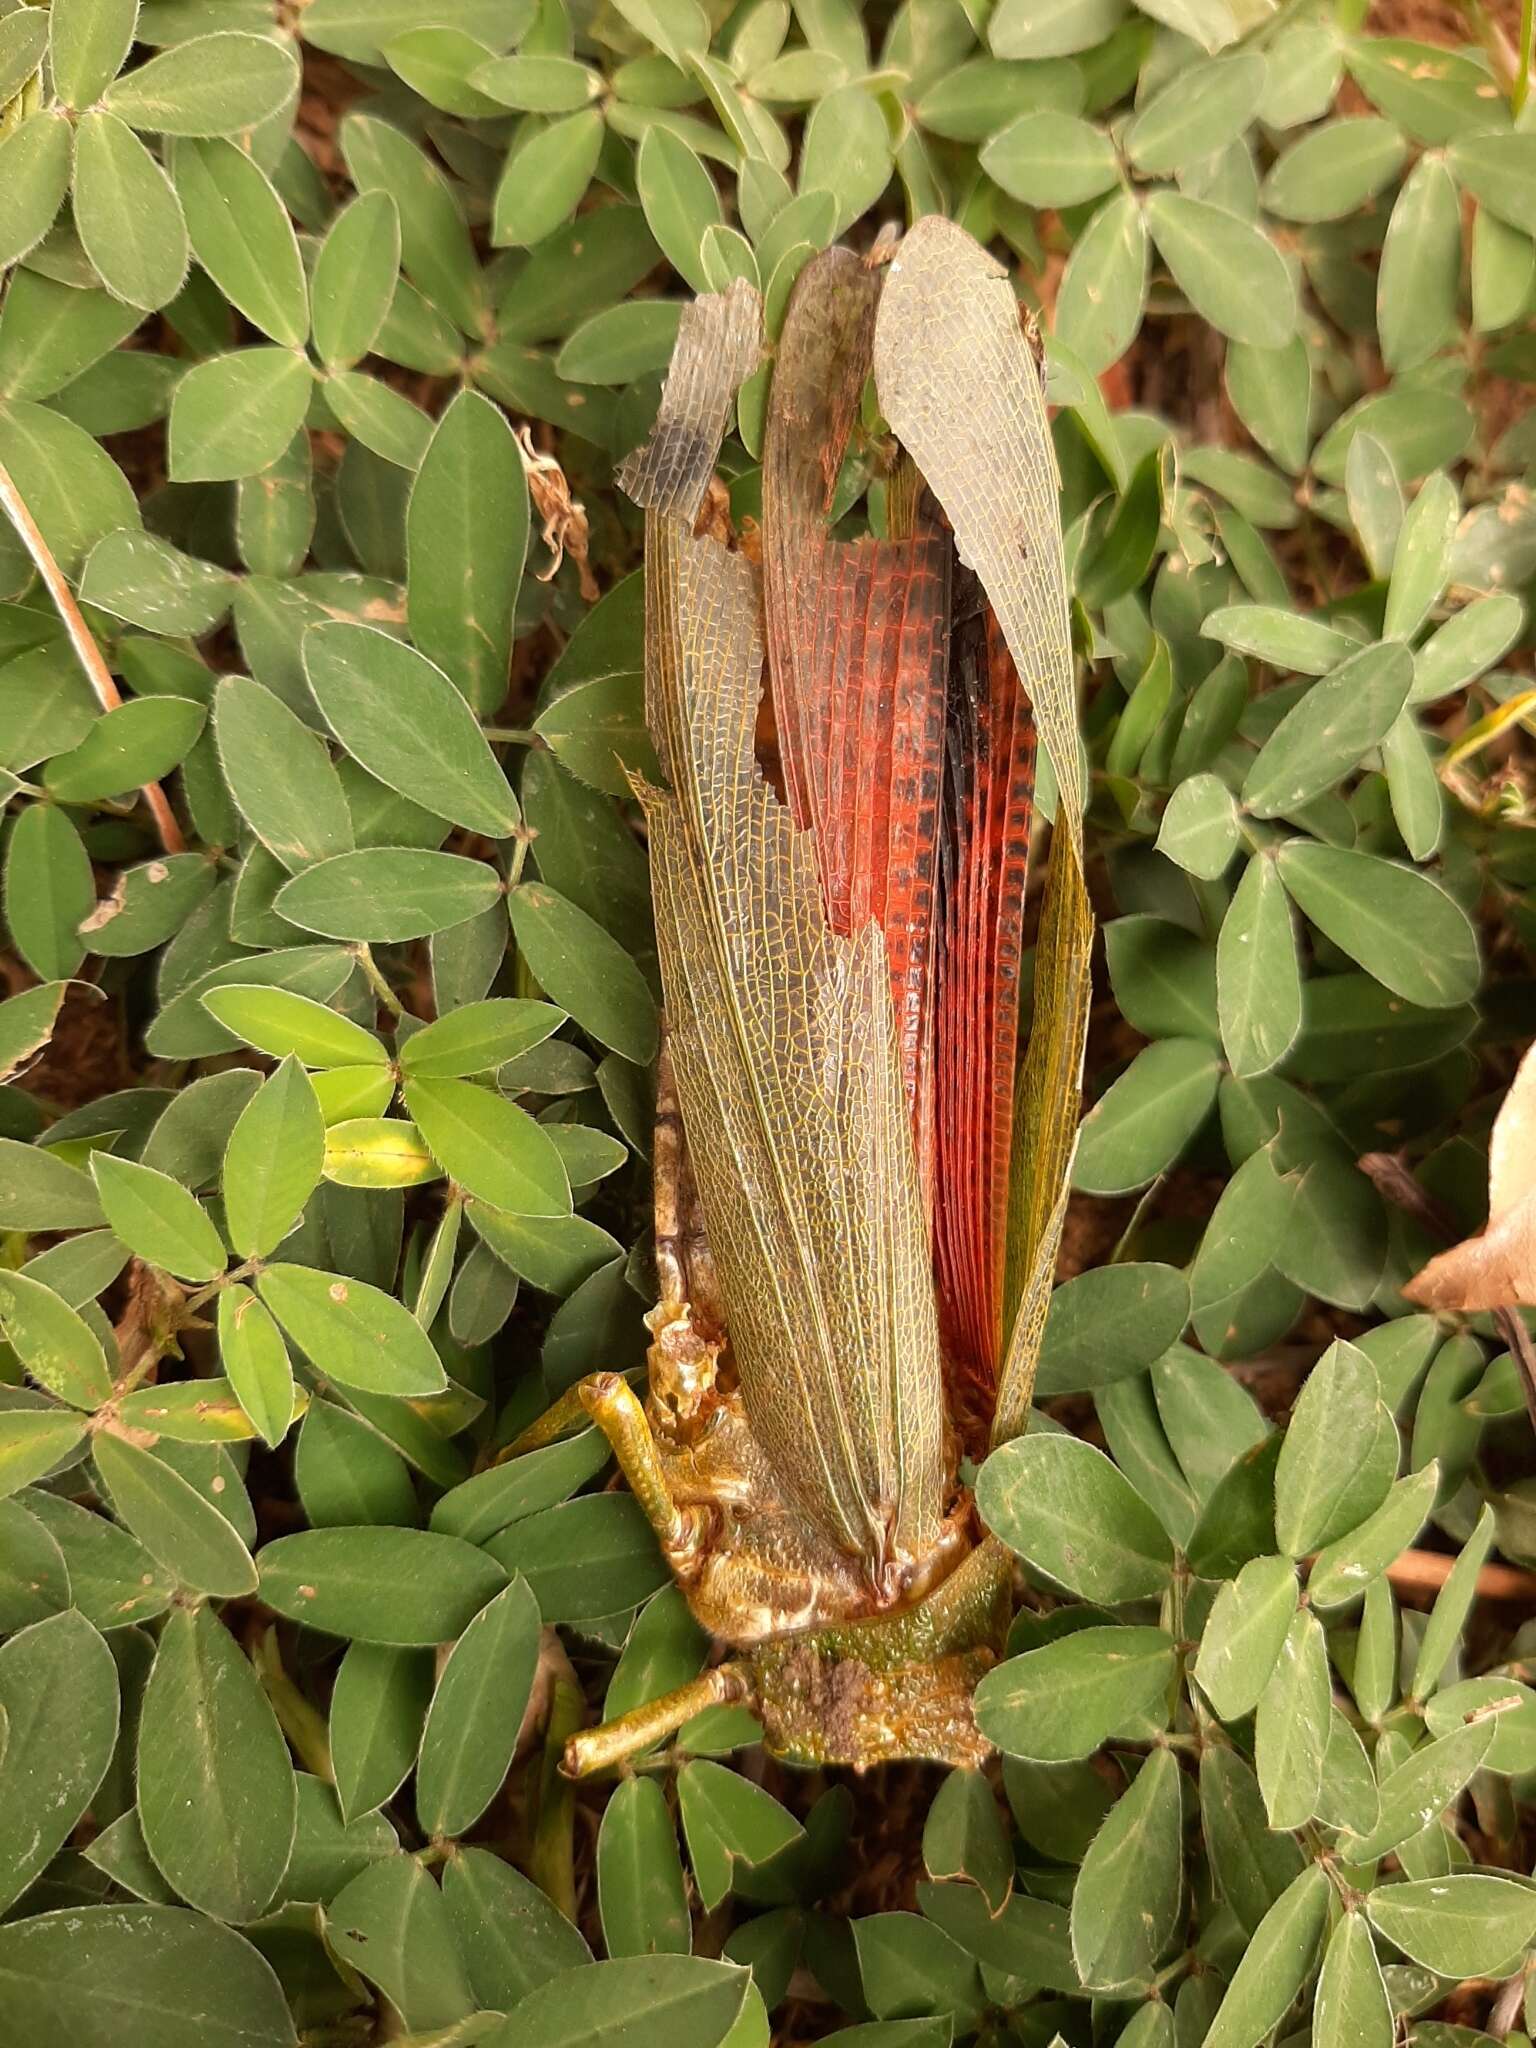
332	1007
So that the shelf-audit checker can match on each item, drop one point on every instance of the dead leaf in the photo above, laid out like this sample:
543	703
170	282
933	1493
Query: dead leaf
1496	1269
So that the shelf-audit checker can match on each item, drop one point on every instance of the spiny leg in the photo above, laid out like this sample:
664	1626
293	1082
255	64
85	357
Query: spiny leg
597	1749
607	1399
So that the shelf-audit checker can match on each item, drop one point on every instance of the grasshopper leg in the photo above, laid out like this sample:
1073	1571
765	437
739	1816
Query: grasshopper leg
597	1749
607	1399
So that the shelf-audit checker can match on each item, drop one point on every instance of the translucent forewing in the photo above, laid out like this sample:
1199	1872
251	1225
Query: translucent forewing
781	1035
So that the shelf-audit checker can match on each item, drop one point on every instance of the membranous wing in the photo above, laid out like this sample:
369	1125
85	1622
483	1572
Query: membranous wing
782	1031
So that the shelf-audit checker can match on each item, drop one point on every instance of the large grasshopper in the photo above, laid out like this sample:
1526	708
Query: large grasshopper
857	1210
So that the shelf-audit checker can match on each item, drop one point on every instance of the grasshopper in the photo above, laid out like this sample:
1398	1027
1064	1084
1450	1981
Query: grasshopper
858	1207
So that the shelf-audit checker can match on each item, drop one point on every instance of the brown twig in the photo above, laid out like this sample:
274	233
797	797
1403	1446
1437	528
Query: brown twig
87	653
1426	1571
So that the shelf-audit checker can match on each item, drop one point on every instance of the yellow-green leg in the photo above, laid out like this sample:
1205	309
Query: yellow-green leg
598	1749
608	1400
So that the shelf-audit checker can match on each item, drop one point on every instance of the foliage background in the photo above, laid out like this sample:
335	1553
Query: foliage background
321	322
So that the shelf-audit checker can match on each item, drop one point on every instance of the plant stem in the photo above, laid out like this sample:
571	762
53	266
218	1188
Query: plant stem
87	653
376	981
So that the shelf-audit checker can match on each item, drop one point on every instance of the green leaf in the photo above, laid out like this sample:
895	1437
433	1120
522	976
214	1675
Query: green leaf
216	1790
272	1162
405	1587
39	1192
1276	1964
32	1442
434	241
1467	644
461	591
127	215
1232	275
511	1935
1252	1867
1335	169
358	1335
1242	1641
1145	1120
1375	501
255	1359
1125	1904
390	1924
88	41
652	2000
52	1762
1497	169
201	1411
1104	287
1421	560
584	970
1453	1603
1418	284
490	1147
1291	1725
136	1975
1108	1324
623	343
1065	1509
505	1493
1066	1698
437	64
476	1712
243	238
1258	975
388	893
586	1558
1352	2009
283	1024
964	1837
847	152
24	39
1328	731
538	84
546	174
73	489
128	746
478	1038
596	729
642	1894
378	1708
1164	978
1464	1925
1418	805
354	279
35	161
144	580
113	1579
1282	638
680	201
207	85
1335	1240
157	1218
1329	1438
400	716
377	1152
1049	158
49	892
235	414
58	1347
198	1545
1199	827
1201	109
1343	1568
1401	926
1418	1790
1059	28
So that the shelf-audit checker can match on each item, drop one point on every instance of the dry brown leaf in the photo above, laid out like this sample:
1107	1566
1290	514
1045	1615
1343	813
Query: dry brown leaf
1496	1269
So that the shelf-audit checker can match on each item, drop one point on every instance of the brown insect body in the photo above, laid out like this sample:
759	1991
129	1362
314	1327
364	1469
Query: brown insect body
852	1282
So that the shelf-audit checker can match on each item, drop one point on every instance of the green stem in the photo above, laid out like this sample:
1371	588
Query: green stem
376	981
1520	90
